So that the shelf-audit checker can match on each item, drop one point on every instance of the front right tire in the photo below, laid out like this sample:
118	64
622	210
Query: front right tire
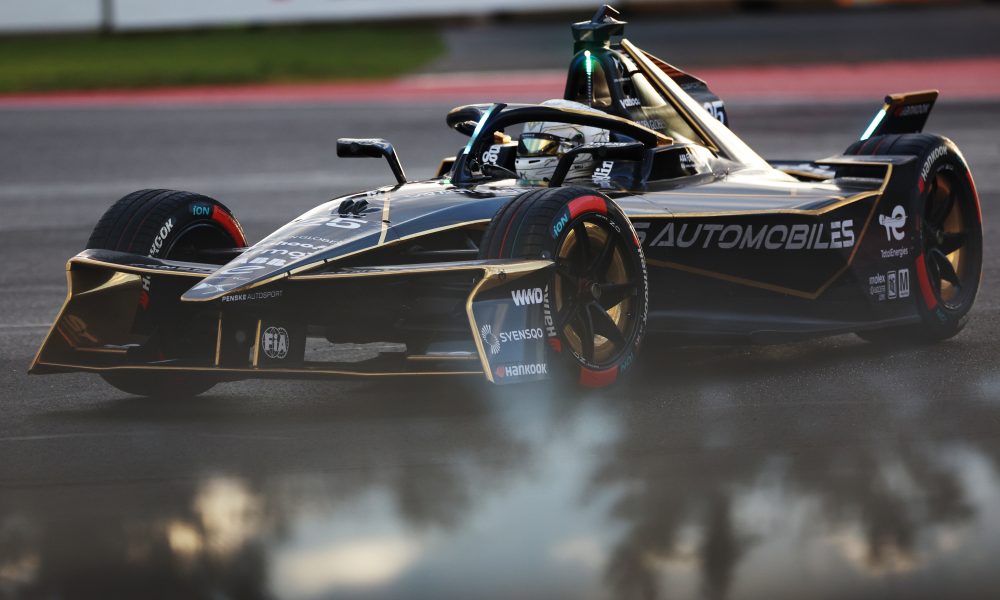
599	285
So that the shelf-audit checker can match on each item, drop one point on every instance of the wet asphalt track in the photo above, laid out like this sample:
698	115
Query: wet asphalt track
828	466
824	469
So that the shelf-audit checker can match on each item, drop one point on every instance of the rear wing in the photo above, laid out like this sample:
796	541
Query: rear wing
902	113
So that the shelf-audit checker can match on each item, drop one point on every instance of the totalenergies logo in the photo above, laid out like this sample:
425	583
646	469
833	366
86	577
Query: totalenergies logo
894	223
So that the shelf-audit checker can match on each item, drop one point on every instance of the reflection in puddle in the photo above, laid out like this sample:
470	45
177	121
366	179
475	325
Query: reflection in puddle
343	565
532	495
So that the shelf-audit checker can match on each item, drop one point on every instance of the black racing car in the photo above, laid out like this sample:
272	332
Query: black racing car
675	226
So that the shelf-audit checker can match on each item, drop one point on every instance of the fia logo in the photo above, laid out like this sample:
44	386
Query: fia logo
894	223
274	341
490	339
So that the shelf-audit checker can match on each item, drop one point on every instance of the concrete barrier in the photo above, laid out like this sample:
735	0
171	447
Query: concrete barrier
125	15
18	16
143	14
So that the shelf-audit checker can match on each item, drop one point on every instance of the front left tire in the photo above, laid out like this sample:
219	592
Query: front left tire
172	225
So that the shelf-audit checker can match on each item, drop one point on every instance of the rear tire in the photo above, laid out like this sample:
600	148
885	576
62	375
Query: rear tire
171	225
948	266
599	287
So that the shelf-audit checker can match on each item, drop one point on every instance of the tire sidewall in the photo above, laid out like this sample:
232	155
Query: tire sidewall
573	365
150	223
158	234
940	320
158	239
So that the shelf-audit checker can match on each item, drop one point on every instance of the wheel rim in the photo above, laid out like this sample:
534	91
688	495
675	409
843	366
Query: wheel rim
595	291
947	239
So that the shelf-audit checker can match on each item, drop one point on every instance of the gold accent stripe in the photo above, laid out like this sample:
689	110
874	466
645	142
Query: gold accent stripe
519	266
55	324
385	219
99	350
751	212
792	193
253	372
915	97
256	347
117	278
86	260
804	174
483	361
436	357
218	342
731	278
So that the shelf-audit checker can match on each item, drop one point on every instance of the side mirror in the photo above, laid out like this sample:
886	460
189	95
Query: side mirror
613	151
464	119
372	148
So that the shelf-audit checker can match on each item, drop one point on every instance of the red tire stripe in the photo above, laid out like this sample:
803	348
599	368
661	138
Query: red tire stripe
230	225
975	195
925	283
598	379
584	204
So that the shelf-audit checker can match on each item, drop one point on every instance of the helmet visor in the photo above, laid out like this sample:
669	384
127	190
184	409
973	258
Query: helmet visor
539	144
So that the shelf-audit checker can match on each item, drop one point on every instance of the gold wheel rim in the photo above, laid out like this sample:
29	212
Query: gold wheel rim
584	293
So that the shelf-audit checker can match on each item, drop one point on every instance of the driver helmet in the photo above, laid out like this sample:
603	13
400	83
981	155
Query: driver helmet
542	144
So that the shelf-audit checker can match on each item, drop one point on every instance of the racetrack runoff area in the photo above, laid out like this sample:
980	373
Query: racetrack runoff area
956	79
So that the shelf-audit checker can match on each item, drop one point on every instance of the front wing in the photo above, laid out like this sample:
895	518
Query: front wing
287	329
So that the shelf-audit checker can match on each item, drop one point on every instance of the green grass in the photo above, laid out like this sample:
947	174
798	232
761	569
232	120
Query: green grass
79	62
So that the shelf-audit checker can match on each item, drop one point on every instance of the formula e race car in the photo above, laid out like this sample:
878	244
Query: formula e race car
547	247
